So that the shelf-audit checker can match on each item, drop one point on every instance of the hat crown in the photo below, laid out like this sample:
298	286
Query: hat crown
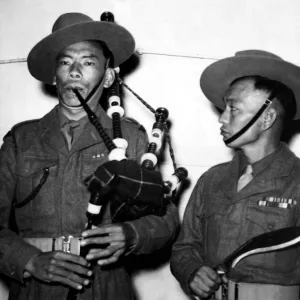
69	19
257	53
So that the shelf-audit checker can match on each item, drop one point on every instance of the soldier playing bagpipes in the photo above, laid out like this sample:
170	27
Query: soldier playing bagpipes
57	170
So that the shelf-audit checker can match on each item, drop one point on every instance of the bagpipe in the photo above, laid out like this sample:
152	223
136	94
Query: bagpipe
131	189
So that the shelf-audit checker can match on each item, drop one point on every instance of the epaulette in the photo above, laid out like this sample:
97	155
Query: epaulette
16	126
133	121
23	123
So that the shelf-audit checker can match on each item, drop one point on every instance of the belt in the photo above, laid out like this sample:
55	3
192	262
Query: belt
67	244
257	291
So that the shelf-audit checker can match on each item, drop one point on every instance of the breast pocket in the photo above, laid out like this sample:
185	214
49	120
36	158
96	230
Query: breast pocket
34	189
91	159
262	219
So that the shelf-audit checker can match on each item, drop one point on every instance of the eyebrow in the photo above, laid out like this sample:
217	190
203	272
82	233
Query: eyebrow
230	100
64	55
91	56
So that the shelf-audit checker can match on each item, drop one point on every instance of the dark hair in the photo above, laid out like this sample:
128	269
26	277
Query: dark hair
106	52
278	91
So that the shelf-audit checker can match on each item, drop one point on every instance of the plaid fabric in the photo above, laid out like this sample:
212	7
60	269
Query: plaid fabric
136	191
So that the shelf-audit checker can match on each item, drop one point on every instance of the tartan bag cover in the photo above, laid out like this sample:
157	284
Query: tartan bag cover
135	193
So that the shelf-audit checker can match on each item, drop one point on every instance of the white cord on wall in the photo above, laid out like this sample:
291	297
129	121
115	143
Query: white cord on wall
139	51
11	61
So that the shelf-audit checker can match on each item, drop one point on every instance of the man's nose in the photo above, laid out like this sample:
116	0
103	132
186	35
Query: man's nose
224	117
75	72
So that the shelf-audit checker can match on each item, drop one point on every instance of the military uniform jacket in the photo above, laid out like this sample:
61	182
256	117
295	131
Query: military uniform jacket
218	220
35	147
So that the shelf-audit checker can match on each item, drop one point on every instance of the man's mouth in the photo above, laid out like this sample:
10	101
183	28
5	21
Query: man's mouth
71	88
224	133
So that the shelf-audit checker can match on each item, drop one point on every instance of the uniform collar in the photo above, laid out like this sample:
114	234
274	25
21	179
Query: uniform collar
277	164
105	121
51	125
260	165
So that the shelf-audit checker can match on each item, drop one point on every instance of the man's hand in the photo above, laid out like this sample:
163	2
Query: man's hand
107	243
205	282
58	266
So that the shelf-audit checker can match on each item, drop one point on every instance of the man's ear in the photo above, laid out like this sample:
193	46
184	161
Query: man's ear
270	118
109	77
54	80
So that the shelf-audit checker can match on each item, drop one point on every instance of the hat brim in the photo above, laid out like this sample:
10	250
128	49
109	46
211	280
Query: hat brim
42	58
216	78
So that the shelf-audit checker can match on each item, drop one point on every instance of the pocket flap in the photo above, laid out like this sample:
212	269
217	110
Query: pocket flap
28	166
269	218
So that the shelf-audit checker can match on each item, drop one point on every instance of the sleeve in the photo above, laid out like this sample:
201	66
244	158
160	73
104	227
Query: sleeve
14	252
188	250
153	232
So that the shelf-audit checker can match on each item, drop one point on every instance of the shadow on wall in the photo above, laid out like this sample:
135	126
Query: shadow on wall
292	128
49	90
148	262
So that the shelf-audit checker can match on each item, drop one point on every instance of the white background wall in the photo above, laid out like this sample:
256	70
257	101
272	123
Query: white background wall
178	39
